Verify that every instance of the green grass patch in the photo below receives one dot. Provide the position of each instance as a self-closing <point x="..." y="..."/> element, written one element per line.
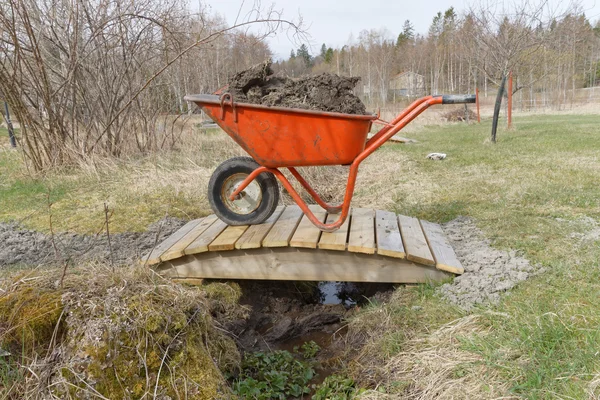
<point x="535" y="191"/>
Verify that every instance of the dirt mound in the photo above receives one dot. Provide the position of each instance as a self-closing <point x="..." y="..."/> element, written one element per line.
<point x="323" y="92"/>
<point x="458" y="115"/>
<point x="27" y="247"/>
<point x="488" y="271"/>
<point x="107" y="335"/>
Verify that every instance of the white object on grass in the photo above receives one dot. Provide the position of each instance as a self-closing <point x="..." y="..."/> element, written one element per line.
<point x="436" y="156"/>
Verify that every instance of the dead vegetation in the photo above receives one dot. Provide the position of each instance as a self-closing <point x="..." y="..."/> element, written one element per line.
<point x="460" y="115"/>
<point x="107" y="335"/>
<point x="96" y="78"/>
<point x="436" y="367"/>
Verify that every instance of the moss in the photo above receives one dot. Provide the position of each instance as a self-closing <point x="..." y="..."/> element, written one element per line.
<point x="228" y="293"/>
<point x="29" y="319"/>
<point x="128" y="359"/>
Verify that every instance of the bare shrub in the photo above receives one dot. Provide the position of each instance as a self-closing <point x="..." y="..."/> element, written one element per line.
<point x="97" y="77"/>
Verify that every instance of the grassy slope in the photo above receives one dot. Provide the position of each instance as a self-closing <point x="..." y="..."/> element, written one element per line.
<point x="532" y="192"/>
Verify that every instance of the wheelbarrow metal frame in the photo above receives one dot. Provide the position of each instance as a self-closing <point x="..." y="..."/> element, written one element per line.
<point x="387" y="132"/>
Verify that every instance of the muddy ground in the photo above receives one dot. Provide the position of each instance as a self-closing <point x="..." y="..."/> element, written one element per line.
<point x="26" y="247"/>
<point x="323" y="92"/>
<point x="285" y="314"/>
<point x="488" y="272"/>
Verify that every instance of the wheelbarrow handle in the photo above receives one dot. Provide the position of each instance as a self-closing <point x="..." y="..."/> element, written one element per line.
<point x="457" y="98"/>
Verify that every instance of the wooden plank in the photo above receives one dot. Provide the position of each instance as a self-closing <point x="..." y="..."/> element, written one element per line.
<point x="387" y="235"/>
<point x="253" y="237"/>
<point x="226" y="240"/>
<point x="362" y="231"/>
<point x="307" y="235"/>
<point x="292" y="263"/>
<point x="282" y="231"/>
<point x="200" y="244"/>
<point x="160" y="249"/>
<point x="335" y="240"/>
<point x="178" y="249"/>
<point x="414" y="241"/>
<point x="445" y="257"/>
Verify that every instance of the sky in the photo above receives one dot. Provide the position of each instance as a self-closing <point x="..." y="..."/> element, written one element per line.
<point x="333" y="21"/>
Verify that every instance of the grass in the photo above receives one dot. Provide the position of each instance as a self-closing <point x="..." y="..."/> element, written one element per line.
<point x="535" y="191"/>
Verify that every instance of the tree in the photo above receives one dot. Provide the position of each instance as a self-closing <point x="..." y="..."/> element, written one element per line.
<point x="304" y="55"/>
<point x="406" y="35"/>
<point x="323" y="51"/>
<point x="329" y="55"/>
<point x="292" y="55"/>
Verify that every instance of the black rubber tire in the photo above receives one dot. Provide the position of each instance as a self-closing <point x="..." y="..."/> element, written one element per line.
<point x="266" y="181"/>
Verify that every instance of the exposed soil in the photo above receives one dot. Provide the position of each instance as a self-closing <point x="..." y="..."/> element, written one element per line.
<point x="458" y="115"/>
<point x="323" y="92"/>
<point x="284" y="314"/>
<point x="27" y="247"/>
<point x="280" y="310"/>
<point x="488" y="272"/>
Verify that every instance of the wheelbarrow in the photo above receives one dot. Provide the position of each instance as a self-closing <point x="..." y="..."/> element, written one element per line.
<point x="244" y="190"/>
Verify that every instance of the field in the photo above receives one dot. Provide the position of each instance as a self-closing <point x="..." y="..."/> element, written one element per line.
<point x="536" y="191"/>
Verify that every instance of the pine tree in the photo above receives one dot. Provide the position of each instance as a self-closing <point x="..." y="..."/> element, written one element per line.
<point x="292" y="55"/>
<point x="304" y="55"/>
<point x="323" y="51"/>
<point x="406" y="35"/>
<point x="329" y="56"/>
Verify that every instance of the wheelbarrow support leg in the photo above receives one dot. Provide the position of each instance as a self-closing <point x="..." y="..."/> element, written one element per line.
<point x="344" y="208"/>
<point x="328" y="207"/>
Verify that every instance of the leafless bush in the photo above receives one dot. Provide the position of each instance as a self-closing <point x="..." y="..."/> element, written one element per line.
<point x="96" y="77"/>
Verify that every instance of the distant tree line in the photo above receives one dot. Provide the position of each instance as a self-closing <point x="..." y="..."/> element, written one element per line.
<point x="550" y="55"/>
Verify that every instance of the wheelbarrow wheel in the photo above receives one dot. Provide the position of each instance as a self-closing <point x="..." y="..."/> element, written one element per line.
<point x="254" y="204"/>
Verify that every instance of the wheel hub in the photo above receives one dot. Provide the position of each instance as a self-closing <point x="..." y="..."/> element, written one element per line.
<point x="247" y="200"/>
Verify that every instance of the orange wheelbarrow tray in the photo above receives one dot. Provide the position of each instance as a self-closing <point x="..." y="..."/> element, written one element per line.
<point x="241" y="190"/>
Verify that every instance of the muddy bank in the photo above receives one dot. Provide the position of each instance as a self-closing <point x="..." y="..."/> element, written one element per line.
<point x="287" y="314"/>
<point x="488" y="272"/>
<point x="323" y="92"/>
<point x="26" y="247"/>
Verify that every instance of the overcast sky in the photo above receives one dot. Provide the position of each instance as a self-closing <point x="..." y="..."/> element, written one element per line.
<point x="332" y="21"/>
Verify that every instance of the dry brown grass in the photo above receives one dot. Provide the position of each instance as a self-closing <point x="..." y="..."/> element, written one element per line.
<point x="436" y="367"/>
<point x="106" y="335"/>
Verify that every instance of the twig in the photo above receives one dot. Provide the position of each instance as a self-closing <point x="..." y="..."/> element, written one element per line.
<point x="106" y="223"/>
<point x="53" y="240"/>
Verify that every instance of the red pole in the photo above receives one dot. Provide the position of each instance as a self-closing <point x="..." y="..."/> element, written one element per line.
<point x="477" y="101"/>
<point x="510" y="93"/>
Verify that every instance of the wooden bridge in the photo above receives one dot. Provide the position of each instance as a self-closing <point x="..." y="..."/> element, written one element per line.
<point x="371" y="246"/>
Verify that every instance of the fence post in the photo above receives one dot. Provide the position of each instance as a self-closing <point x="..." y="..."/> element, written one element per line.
<point x="477" y="101"/>
<point x="11" y="132"/>
<point x="510" y="93"/>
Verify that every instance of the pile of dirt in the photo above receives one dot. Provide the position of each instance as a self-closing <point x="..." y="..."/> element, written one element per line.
<point x="323" y="92"/>
<point x="459" y="115"/>
<point x="27" y="247"/>
<point x="488" y="272"/>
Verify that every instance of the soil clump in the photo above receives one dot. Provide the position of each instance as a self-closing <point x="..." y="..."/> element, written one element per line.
<point x="27" y="247"/>
<point x="488" y="273"/>
<point x="322" y="92"/>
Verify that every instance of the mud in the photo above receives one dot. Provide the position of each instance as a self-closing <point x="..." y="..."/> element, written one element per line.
<point x="287" y="314"/>
<point x="323" y="92"/>
<point x="458" y="115"/>
<point x="488" y="272"/>
<point x="26" y="247"/>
